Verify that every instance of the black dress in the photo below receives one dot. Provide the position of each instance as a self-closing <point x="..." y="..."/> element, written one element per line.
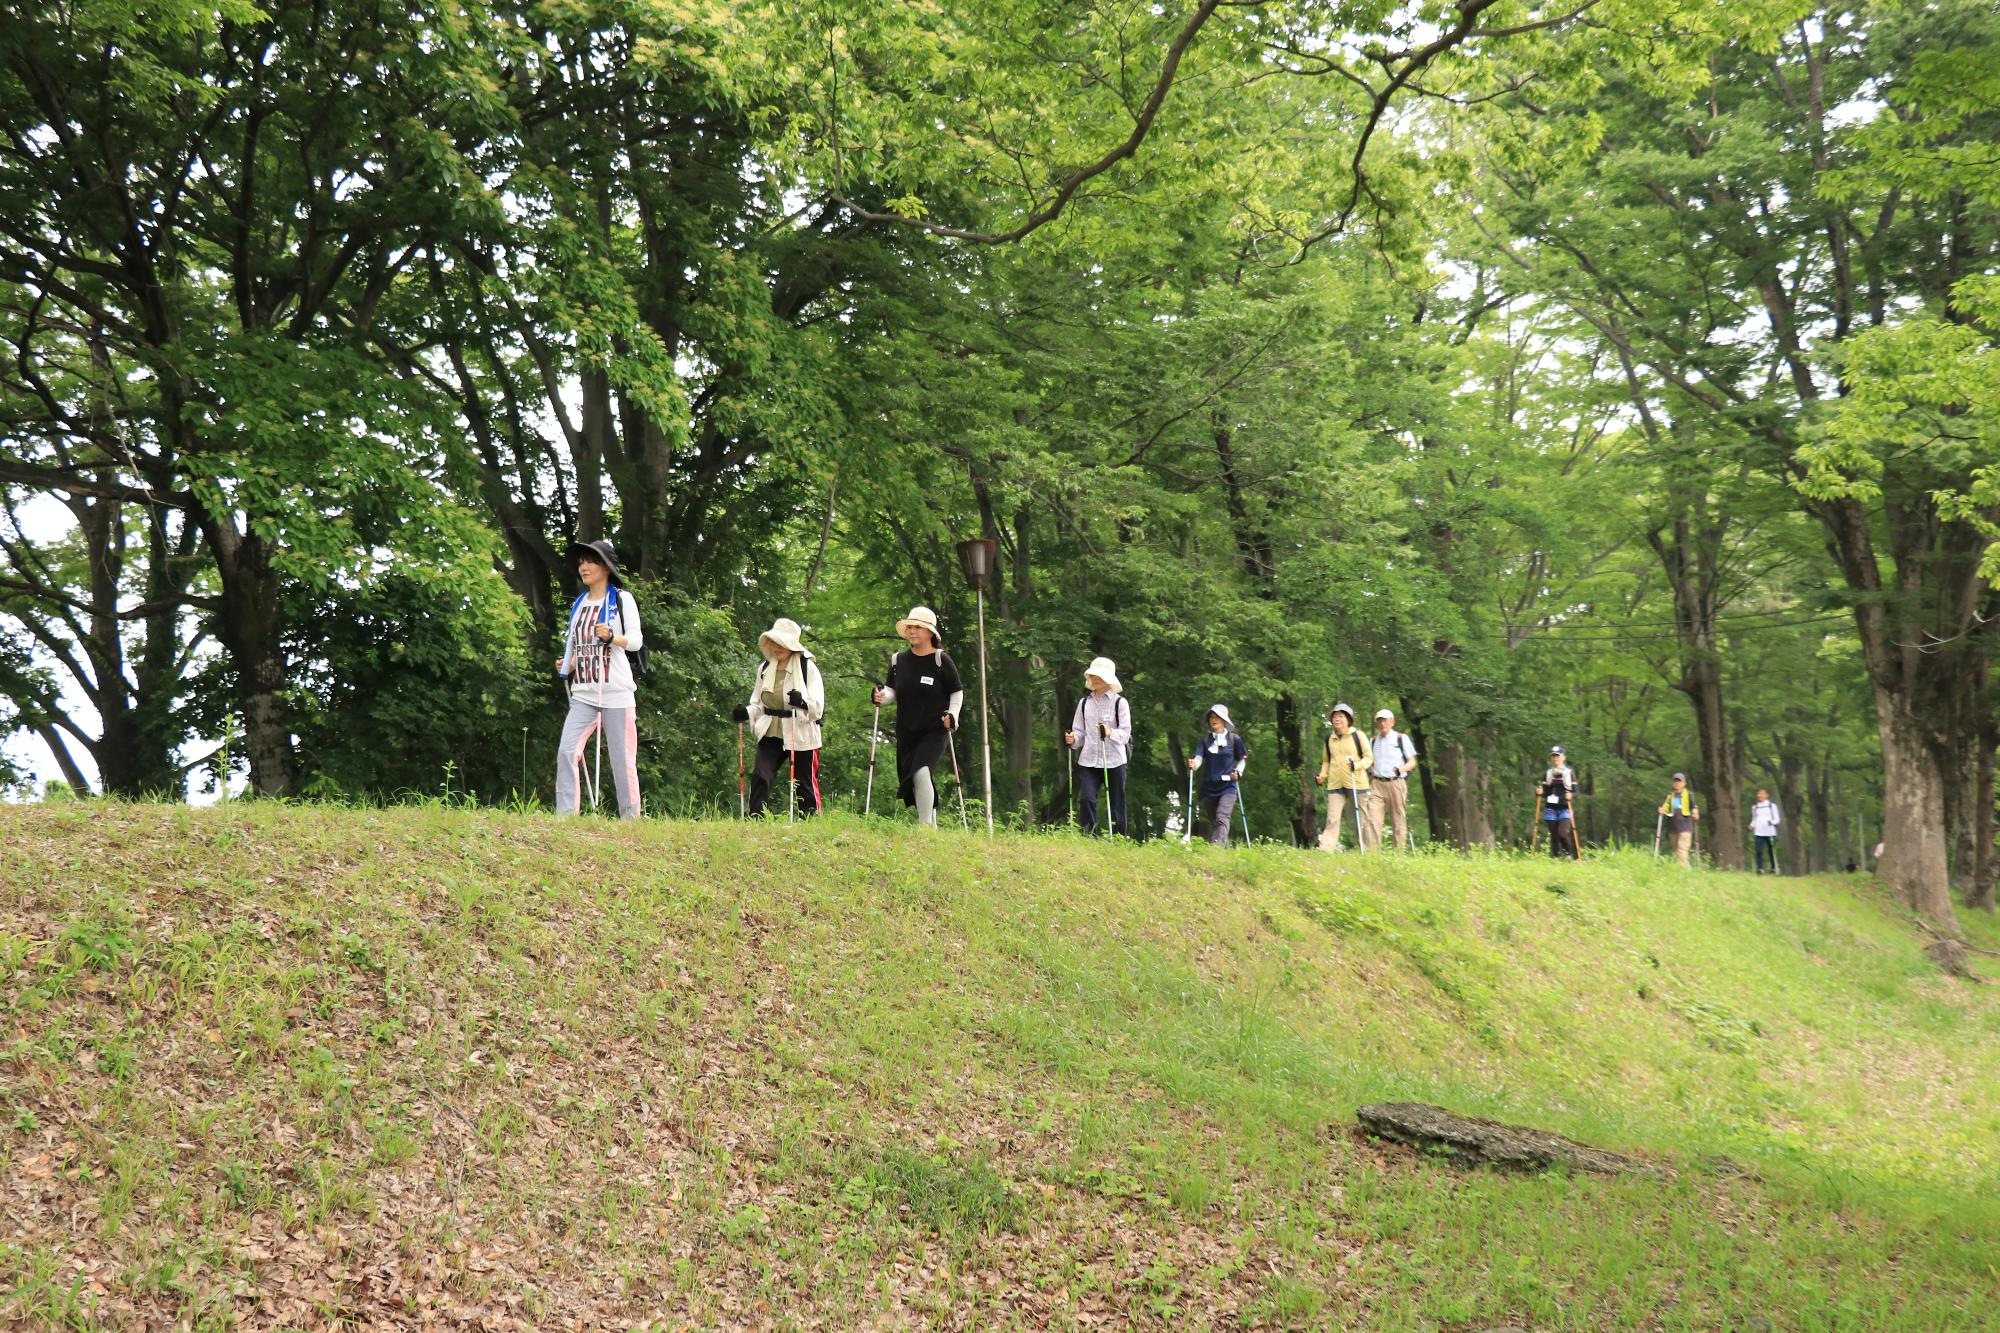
<point x="923" y="686"/>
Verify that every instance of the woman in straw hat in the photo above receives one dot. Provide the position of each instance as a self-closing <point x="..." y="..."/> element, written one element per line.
<point x="924" y="685"/>
<point x="1101" y="734"/>
<point x="786" y="704"/>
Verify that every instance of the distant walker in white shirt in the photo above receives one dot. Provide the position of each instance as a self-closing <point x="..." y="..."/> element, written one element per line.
<point x="1765" y="816"/>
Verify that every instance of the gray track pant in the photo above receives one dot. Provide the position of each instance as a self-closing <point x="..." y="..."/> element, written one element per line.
<point x="1220" y="810"/>
<point x="621" y="749"/>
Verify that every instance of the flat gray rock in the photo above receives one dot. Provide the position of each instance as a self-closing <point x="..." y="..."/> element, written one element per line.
<point x="1488" y="1142"/>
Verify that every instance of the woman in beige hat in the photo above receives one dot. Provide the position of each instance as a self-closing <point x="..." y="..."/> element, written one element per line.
<point x="924" y="685"/>
<point x="786" y="704"/>
<point x="1101" y="734"/>
<point x="1344" y="773"/>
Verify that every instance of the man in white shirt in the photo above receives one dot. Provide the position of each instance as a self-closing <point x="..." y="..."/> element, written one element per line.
<point x="1389" y="771"/>
<point x="1764" y="820"/>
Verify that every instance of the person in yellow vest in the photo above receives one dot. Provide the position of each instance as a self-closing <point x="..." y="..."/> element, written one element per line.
<point x="1344" y="774"/>
<point x="1681" y="813"/>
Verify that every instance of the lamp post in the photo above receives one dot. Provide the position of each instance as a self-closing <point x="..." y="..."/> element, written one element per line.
<point x="977" y="558"/>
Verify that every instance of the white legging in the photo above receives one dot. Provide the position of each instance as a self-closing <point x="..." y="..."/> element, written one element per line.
<point x="621" y="738"/>
<point x="925" y="791"/>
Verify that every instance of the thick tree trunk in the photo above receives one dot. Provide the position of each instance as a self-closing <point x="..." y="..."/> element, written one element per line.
<point x="1914" y="858"/>
<point x="249" y="628"/>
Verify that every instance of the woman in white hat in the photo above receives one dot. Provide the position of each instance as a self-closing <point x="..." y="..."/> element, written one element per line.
<point x="1101" y="734"/>
<point x="1219" y="760"/>
<point x="923" y="684"/>
<point x="786" y="704"/>
<point x="1344" y="773"/>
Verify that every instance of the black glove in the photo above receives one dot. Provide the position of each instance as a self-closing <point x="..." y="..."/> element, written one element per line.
<point x="741" y="712"/>
<point x="947" y="720"/>
<point x="795" y="699"/>
<point x="1104" y="731"/>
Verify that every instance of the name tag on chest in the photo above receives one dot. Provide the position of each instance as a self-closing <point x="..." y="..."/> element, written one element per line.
<point x="926" y="680"/>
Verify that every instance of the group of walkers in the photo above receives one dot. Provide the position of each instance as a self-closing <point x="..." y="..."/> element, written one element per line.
<point x="1366" y="777"/>
<point x="1678" y="822"/>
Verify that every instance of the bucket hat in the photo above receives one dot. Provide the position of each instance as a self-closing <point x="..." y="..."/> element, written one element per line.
<point x="1105" y="670"/>
<point x="599" y="550"/>
<point x="922" y="615"/>
<point x="784" y="633"/>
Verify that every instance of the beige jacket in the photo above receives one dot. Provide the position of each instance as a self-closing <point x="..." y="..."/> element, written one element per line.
<point x="1333" y="770"/>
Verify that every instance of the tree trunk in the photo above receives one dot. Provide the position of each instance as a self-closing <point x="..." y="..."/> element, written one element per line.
<point x="1914" y="858"/>
<point x="248" y="627"/>
<point x="1011" y="601"/>
<point x="1980" y="893"/>
<point x="1691" y="557"/>
<point x="1439" y="819"/>
<point x="1819" y="799"/>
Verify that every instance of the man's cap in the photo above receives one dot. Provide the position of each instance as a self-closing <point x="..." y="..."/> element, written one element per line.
<point x="1555" y="749"/>
<point x="1680" y="777"/>
<point x="1381" y="713"/>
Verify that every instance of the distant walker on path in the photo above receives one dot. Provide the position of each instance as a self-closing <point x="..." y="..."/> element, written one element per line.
<point x="1681" y="813"/>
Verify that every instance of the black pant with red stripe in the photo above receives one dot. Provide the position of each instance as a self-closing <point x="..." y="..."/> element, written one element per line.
<point x="772" y="756"/>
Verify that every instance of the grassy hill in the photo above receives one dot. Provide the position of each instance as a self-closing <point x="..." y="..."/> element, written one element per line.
<point x="303" y="1067"/>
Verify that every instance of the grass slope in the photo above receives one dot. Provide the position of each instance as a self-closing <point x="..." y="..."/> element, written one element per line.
<point x="304" y="1067"/>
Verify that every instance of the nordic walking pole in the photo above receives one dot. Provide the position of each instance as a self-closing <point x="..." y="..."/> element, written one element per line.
<point x="792" y="785"/>
<point x="1187" y="834"/>
<point x="951" y="739"/>
<point x="1535" y="825"/>
<point x="1244" y="811"/>
<point x="1659" y="822"/>
<point x="1575" y="830"/>
<point x="603" y="679"/>
<point x="740" y="813"/>
<point x="874" y="731"/>
<point x="1354" y="799"/>
<point x="874" y="735"/>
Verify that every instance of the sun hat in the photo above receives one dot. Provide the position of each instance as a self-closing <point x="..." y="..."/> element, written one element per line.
<point x="1222" y="711"/>
<point x="1381" y="713"/>
<point x="1105" y="670"/>
<point x="599" y="550"/>
<point x="784" y="633"/>
<point x="1340" y="708"/>
<point x="922" y="615"/>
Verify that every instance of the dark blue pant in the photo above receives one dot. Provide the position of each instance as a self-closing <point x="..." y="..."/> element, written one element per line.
<point x="1086" y="810"/>
<point x="1767" y="845"/>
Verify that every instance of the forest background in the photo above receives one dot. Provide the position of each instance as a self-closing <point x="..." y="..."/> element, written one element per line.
<point x="1608" y="374"/>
